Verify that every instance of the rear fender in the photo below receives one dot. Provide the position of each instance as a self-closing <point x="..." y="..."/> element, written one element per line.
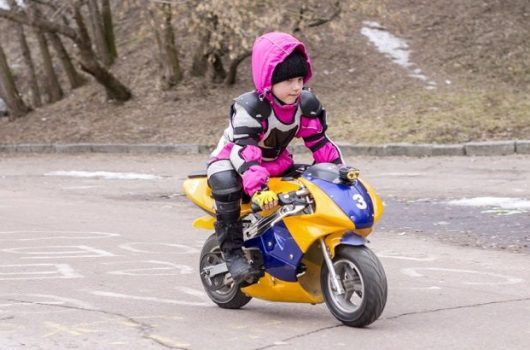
<point x="344" y="238"/>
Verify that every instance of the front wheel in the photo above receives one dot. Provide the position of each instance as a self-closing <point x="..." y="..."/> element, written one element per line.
<point x="225" y="295"/>
<point x="364" y="282"/>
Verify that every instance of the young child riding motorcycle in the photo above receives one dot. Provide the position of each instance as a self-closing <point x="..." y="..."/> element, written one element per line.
<point x="254" y="146"/>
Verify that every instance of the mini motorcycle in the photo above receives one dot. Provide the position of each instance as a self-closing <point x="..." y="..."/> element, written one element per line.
<point x="311" y="249"/>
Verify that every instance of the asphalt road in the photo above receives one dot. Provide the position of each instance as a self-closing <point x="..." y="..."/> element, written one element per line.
<point x="106" y="263"/>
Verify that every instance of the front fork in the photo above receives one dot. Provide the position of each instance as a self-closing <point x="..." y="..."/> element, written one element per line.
<point x="335" y="279"/>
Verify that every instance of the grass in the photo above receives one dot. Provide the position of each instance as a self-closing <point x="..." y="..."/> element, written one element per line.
<point x="437" y="116"/>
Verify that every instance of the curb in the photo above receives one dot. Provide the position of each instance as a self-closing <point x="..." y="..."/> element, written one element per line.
<point x="492" y="148"/>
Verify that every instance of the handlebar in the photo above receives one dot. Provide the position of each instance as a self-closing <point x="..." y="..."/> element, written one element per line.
<point x="286" y="198"/>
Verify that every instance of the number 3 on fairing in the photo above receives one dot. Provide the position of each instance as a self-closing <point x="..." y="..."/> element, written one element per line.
<point x="360" y="202"/>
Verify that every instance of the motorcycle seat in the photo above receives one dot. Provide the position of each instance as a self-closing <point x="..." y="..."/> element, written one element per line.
<point x="198" y="173"/>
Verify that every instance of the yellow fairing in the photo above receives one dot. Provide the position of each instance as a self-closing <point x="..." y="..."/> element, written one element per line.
<point x="328" y="218"/>
<point x="198" y="191"/>
<point x="204" y="222"/>
<point x="306" y="290"/>
<point x="270" y="288"/>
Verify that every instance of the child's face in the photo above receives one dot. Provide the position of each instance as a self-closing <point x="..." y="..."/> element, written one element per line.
<point x="288" y="90"/>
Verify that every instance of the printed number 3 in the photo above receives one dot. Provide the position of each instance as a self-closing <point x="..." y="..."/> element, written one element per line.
<point x="361" y="203"/>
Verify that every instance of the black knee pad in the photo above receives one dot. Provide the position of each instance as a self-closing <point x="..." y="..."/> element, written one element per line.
<point x="226" y="186"/>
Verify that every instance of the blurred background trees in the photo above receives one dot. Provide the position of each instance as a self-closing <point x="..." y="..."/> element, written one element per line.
<point x="68" y="41"/>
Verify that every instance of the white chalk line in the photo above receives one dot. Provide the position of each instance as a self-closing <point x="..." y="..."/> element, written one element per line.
<point x="413" y="272"/>
<point x="142" y="298"/>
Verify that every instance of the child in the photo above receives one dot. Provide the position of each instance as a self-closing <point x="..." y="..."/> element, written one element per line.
<point x="254" y="146"/>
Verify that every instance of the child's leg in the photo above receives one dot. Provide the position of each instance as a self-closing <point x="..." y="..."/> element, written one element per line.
<point x="227" y="191"/>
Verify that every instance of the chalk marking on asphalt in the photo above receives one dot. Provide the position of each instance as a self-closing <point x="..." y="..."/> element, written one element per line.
<point x="413" y="272"/>
<point x="57" y="328"/>
<point x="154" y="299"/>
<point x="168" y="341"/>
<point x="131" y="247"/>
<point x="194" y="292"/>
<point x="62" y="235"/>
<point x="63" y="300"/>
<point x="10" y="327"/>
<point x="82" y="251"/>
<point x="389" y="255"/>
<point x="60" y="271"/>
<point x="419" y="288"/>
<point x="107" y="175"/>
<point x="184" y="269"/>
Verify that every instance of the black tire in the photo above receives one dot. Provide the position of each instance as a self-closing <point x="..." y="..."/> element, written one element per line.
<point x="363" y="278"/>
<point x="227" y="297"/>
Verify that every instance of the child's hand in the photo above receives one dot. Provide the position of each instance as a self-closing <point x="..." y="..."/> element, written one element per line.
<point x="266" y="199"/>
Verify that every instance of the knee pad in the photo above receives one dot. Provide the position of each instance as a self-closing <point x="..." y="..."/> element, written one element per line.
<point x="226" y="186"/>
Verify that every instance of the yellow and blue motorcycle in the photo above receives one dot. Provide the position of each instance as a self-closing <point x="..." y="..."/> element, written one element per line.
<point x="312" y="249"/>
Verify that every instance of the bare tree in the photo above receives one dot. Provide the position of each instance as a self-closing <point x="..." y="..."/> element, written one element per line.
<point x="53" y="87"/>
<point x="26" y="54"/>
<point x="161" y="21"/>
<point x="79" y="35"/>
<point x="76" y="80"/>
<point x="98" y="31"/>
<point x="227" y="29"/>
<point x="8" y="90"/>
<point x="108" y="29"/>
<point x="315" y="14"/>
<point x="199" y="65"/>
<point x="89" y="63"/>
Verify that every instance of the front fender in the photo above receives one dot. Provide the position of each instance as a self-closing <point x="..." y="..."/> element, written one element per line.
<point x="346" y="238"/>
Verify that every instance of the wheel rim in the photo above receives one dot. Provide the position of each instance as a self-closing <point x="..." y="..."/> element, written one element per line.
<point x="215" y="285"/>
<point x="352" y="283"/>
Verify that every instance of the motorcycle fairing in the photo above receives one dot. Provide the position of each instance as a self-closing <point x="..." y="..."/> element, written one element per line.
<point x="281" y="254"/>
<point x="353" y="199"/>
<point x="343" y="238"/>
<point x="327" y="218"/>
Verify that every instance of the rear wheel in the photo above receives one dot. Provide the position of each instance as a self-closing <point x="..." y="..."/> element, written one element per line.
<point x="364" y="282"/>
<point x="225" y="295"/>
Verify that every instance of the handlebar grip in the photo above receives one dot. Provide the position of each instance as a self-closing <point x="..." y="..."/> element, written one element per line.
<point x="255" y="208"/>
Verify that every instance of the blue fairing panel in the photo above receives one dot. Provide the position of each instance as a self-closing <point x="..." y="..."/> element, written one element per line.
<point x="281" y="254"/>
<point x="353" y="199"/>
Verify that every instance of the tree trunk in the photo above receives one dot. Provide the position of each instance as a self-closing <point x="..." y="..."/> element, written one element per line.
<point x="87" y="58"/>
<point x="161" y="22"/>
<point x="199" y="66"/>
<point x="108" y="29"/>
<point x="114" y="88"/>
<point x="8" y="90"/>
<point x="53" y="87"/>
<point x="26" y="53"/>
<point x="76" y="80"/>
<point x="172" y="73"/>
<point x="232" y="70"/>
<point x="219" y="72"/>
<point x="98" y="33"/>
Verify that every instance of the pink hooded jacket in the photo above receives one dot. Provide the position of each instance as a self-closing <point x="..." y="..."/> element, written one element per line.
<point x="250" y="154"/>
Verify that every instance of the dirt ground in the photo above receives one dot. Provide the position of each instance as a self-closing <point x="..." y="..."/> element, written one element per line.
<point x="476" y="52"/>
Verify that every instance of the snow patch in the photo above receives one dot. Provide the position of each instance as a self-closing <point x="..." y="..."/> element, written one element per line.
<point x="104" y="174"/>
<point x="5" y="6"/>
<point x="395" y="48"/>
<point x="501" y="205"/>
